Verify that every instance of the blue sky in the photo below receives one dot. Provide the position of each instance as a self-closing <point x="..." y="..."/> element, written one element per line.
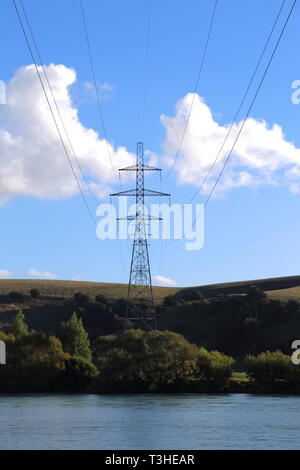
<point x="251" y="231"/>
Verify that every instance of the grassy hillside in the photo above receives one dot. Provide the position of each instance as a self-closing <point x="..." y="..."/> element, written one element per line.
<point x="55" y="304"/>
<point x="226" y="320"/>
<point x="282" y="288"/>
<point x="66" y="289"/>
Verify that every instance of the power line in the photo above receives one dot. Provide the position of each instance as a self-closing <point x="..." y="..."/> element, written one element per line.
<point x="54" y="100"/>
<point x="100" y="113"/>
<point x="241" y="104"/>
<point x="195" y="91"/>
<point x="163" y="250"/>
<point x="146" y="69"/>
<point x="95" y="85"/>
<point x="52" y="113"/>
<point x="54" y="119"/>
<point x="248" y="112"/>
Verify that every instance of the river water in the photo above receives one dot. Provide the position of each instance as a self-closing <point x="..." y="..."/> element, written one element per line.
<point x="233" y="421"/>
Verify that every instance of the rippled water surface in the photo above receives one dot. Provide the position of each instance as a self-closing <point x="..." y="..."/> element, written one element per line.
<point x="236" y="421"/>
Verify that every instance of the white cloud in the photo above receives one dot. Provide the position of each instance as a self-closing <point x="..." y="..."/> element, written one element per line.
<point x="262" y="155"/>
<point x="107" y="86"/>
<point x="32" y="272"/>
<point x="4" y="274"/>
<point x="32" y="159"/>
<point x="164" y="280"/>
<point x="105" y="91"/>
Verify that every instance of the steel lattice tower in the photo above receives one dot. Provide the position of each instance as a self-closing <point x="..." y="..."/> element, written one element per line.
<point x="140" y="284"/>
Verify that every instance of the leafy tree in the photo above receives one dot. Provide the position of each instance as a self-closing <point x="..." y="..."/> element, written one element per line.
<point x="140" y="361"/>
<point x="19" y="326"/>
<point x="254" y="294"/>
<point x="101" y="298"/>
<point x="214" y="370"/>
<point x="196" y="295"/>
<point x="80" y="298"/>
<point x="16" y="296"/>
<point x="35" y="363"/>
<point x="192" y="295"/>
<point x="169" y="301"/>
<point x="170" y="361"/>
<point x="78" y="374"/>
<point x="74" y="338"/>
<point x="120" y="306"/>
<point x="270" y="368"/>
<point x="6" y="337"/>
<point x="35" y="293"/>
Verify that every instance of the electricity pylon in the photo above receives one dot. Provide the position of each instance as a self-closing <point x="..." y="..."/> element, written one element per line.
<point x="140" y="283"/>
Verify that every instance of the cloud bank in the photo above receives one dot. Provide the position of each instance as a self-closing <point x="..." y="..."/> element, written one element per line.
<point x="32" y="272"/>
<point x="164" y="280"/>
<point x="4" y="274"/>
<point x="33" y="162"/>
<point x="262" y="155"/>
<point x="32" y="159"/>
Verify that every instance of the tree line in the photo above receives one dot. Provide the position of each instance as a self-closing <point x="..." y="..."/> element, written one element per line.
<point x="133" y="361"/>
<point x="130" y="362"/>
<point x="200" y="345"/>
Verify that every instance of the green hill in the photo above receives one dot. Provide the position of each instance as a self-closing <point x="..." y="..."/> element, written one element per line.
<point x="65" y="289"/>
<point x="283" y="288"/>
<point x="225" y="319"/>
<point x="55" y="302"/>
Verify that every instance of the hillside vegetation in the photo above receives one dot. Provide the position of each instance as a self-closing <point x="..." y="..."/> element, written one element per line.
<point x="281" y="288"/>
<point x="66" y="289"/>
<point x="231" y="317"/>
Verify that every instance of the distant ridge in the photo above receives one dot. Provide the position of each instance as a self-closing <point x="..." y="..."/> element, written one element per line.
<point x="288" y="286"/>
<point x="66" y="289"/>
<point x="240" y="287"/>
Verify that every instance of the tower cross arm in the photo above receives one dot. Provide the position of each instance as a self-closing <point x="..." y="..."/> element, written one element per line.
<point x="129" y="192"/>
<point x="133" y="217"/>
<point x="134" y="192"/>
<point x="140" y="167"/>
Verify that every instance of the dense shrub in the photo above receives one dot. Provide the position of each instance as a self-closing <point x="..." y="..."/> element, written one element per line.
<point x="101" y="298"/>
<point x="255" y="294"/>
<point x="157" y="361"/>
<point x="139" y="361"/>
<point x="273" y="370"/>
<point x="169" y="301"/>
<point x="6" y="337"/>
<point x="78" y="374"/>
<point x="37" y="363"/>
<point x="34" y="364"/>
<point x="19" y="327"/>
<point x="35" y="293"/>
<point x="16" y="296"/>
<point x="214" y="370"/>
<point x="81" y="299"/>
<point x="191" y="296"/>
